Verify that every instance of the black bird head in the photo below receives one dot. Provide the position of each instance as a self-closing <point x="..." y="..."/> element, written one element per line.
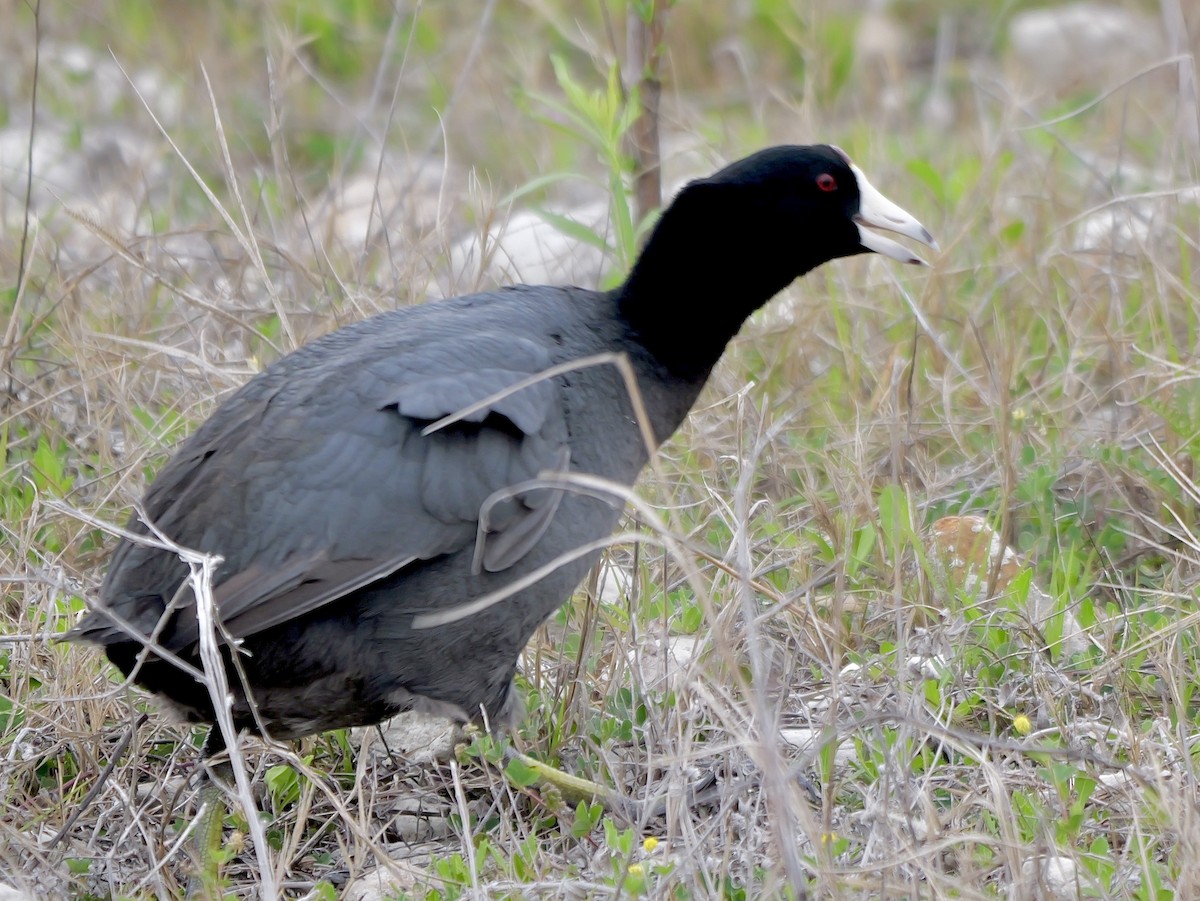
<point x="728" y="243"/>
<point x="804" y="206"/>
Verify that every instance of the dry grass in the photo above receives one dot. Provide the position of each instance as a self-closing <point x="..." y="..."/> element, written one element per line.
<point x="874" y="734"/>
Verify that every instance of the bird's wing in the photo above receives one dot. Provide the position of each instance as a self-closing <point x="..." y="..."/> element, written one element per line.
<point x="315" y="482"/>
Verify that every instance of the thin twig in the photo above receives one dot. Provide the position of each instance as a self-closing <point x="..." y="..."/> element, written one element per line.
<point x="9" y="349"/>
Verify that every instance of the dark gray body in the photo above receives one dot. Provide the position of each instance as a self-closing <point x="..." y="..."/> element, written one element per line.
<point x="311" y="463"/>
<point x="341" y="521"/>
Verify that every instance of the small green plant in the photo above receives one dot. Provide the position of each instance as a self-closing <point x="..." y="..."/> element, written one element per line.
<point x="587" y="818"/>
<point x="598" y="119"/>
<point x="284" y="784"/>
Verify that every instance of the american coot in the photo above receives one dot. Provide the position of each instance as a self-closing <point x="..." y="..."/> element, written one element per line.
<point x="355" y="537"/>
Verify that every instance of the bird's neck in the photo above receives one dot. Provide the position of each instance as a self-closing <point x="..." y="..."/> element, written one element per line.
<point x="690" y="292"/>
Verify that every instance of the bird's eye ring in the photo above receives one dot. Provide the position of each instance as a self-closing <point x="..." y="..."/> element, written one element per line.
<point x="826" y="182"/>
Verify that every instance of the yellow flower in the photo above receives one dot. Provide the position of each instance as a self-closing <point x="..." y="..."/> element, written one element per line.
<point x="636" y="871"/>
<point x="650" y="844"/>
<point x="1021" y="724"/>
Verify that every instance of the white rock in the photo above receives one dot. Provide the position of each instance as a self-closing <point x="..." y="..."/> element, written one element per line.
<point x="1115" y="229"/>
<point x="419" y="738"/>
<point x="1058" y="876"/>
<point x="808" y="741"/>
<point x="850" y="671"/>
<point x="881" y="49"/>
<point x="1122" y="781"/>
<point x="95" y="79"/>
<point x="105" y="179"/>
<point x="928" y="667"/>
<point x="522" y="247"/>
<point x="1077" y="46"/>
<point x="614" y="583"/>
<point x="525" y="248"/>
<point x="386" y="882"/>
<point x="164" y="790"/>
<point x="413" y="820"/>
<point x="1116" y="781"/>
<point x="400" y="197"/>
<point x="663" y="659"/>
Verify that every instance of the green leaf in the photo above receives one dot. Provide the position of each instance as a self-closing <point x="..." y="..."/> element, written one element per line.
<point x="520" y="774"/>
<point x="283" y="783"/>
<point x="864" y="544"/>
<point x="929" y="176"/>
<point x="691" y="619"/>
<point x="48" y="469"/>
<point x="1011" y="233"/>
<point x="587" y="816"/>
<point x="537" y="184"/>
<point x="894" y="518"/>
<point x="573" y="229"/>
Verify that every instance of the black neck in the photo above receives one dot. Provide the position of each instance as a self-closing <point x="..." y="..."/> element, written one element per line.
<point x="695" y="284"/>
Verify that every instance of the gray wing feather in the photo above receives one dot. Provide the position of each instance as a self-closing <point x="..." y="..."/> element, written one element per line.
<point x="313" y="484"/>
<point x="504" y="538"/>
<point x="437" y="397"/>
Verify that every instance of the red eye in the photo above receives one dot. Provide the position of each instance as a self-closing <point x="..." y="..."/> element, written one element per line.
<point x="826" y="182"/>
